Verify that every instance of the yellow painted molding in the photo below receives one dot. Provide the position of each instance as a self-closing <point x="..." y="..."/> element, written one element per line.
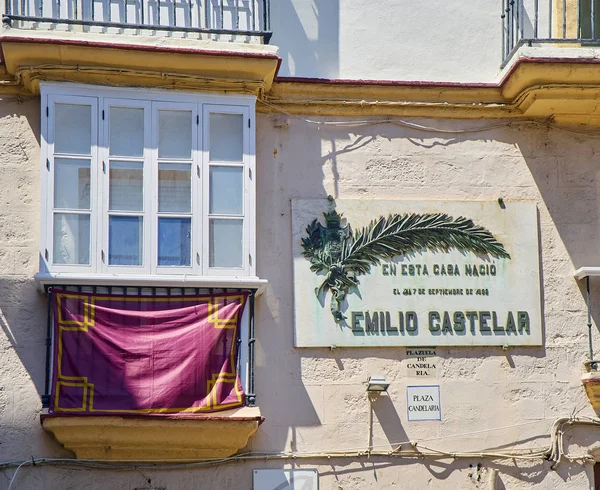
<point x="32" y="59"/>
<point x="565" y="89"/>
<point x="216" y="435"/>
<point x="368" y="98"/>
<point x="527" y="73"/>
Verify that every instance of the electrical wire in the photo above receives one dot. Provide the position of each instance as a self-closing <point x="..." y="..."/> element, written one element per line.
<point x="14" y="477"/>
<point x="554" y="453"/>
<point x="412" y="125"/>
<point x="400" y="122"/>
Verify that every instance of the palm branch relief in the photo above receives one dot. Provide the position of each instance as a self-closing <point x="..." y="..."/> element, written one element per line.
<point x="343" y="254"/>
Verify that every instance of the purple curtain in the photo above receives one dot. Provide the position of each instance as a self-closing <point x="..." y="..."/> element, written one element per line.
<point x="145" y="355"/>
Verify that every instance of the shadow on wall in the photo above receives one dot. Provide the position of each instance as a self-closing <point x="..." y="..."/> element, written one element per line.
<point x="567" y="174"/>
<point x="23" y="371"/>
<point x="307" y="34"/>
<point x="315" y="397"/>
<point x="22" y="306"/>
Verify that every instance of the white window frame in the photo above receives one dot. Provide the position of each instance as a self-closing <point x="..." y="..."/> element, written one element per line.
<point x="105" y="266"/>
<point x="196" y="209"/>
<point x="246" y="173"/>
<point x="48" y="168"/>
<point x="101" y="99"/>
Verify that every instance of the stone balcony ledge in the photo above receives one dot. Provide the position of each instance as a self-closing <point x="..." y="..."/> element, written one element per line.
<point x="184" y="64"/>
<point x="157" y="438"/>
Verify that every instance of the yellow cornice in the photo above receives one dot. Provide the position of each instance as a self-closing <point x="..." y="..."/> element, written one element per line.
<point x="565" y="89"/>
<point x="367" y="98"/>
<point x="30" y="60"/>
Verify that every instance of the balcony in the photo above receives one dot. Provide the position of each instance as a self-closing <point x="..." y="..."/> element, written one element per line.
<point x="208" y="45"/>
<point x="550" y="24"/>
<point x="222" y="20"/>
<point x="551" y="59"/>
<point x="222" y="415"/>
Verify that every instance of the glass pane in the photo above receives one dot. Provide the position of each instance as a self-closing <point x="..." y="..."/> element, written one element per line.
<point x="125" y="240"/>
<point x="73" y="129"/>
<point x="226" y="243"/>
<point x="126" y="132"/>
<point x="71" y="184"/>
<point x="226" y="137"/>
<point x="71" y="239"/>
<point x="174" y="241"/>
<point x="226" y="190"/>
<point x="126" y="191"/>
<point x="586" y="19"/>
<point x="175" y="134"/>
<point x="174" y="188"/>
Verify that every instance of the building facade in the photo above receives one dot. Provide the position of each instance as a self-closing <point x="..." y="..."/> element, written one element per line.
<point x="429" y="173"/>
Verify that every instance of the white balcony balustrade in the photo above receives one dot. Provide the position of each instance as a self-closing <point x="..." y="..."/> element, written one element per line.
<point x="240" y="20"/>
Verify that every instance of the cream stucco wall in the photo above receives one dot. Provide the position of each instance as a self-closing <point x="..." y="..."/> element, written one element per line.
<point x="314" y="399"/>
<point x="482" y="388"/>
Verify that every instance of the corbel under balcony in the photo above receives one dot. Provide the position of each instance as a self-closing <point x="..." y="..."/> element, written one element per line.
<point x="153" y="62"/>
<point x="215" y="435"/>
<point x="553" y="82"/>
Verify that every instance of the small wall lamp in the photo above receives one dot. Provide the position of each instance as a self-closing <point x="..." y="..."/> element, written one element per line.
<point x="377" y="384"/>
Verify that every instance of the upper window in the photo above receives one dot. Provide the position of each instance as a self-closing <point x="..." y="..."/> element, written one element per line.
<point x="143" y="182"/>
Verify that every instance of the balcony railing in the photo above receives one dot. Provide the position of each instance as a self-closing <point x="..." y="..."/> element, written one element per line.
<point x="245" y="340"/>
<point x="556" y="22"/>
<point x="234" y="19"/>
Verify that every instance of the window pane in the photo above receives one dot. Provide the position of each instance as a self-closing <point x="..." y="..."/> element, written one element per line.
<point x="71" y="184"/>
<point x="71" y="239"/>
<point x="125" y="240"/>
<point x="175" y="134"/>
<point x="226" y="190"/>
<point x="586" y="19"/>
<point x="73" y="129"/>
<point x="226" y="243"/>
<point x="174" y="188"/>
<point x="226" y="137"/>
<point x="174" y="241"/>
<point x="126" y="132"/>
<point x="126" y="191"/>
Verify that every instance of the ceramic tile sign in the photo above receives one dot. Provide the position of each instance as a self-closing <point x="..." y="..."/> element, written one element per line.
<point x="421" y="362"/>
<point x="423" y="403"/>
<point x="370" y="273"/>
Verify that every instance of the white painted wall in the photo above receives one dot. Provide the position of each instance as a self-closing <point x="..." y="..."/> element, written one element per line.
<point x="389" y="39"/>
